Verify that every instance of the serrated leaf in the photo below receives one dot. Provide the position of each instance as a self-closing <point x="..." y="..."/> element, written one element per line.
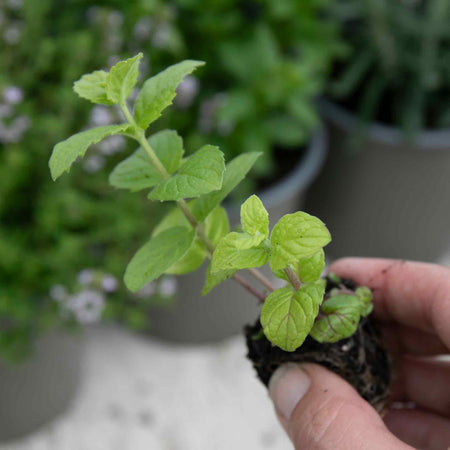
<point x="287" y="316"/>
<point x="214" y="279"/>
<point x="158" y="92"/>
<point x="340" y="318"/>
<point x="191" y="261"/>
<point x="200" y="174"/>
<point x="311" y="267"/>
<point x="122" y="78"/>
<point x="296" y="236"/>
<point x="156" y="256"/>
<point x="137" y="171"/>
<point x="66" y="152"/>
<point x="92" y="87"/>
<point x="364" y="296"/>
<point x="239" y="251"/>
<point x="254" y="217"/>
<point x="235" y="172"/>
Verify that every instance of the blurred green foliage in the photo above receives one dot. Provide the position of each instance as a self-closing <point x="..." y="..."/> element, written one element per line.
<point x="266" y="63"/>
<point x="397" y="68"/>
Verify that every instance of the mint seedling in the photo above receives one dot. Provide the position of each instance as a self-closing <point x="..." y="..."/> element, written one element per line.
<point x="197" y="228"/>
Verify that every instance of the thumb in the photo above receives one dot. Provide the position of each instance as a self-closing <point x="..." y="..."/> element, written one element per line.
<point x="319" y="410"/>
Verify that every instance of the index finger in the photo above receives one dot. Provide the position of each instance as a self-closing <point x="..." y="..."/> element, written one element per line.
<point x="411" y="293"/>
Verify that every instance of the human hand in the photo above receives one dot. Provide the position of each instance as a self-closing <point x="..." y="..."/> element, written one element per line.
<point x="319" y="410"/>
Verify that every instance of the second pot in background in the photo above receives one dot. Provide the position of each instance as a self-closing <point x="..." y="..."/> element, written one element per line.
<point x="386" y="198"/>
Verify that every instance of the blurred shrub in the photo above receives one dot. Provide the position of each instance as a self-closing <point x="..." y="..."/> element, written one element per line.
<point x="266" y="62"/>
<point x="397" y="68"/>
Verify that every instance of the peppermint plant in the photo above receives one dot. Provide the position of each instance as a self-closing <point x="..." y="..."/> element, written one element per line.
<point x="198" y="228"/>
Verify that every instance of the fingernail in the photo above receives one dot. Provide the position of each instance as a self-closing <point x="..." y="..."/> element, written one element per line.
<point x="287" y="387"/>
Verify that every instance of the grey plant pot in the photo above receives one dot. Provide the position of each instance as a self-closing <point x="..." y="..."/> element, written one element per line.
<point x="36" y="391"/>
<point x="228" y="307"/>
<point x="389" y="199"/>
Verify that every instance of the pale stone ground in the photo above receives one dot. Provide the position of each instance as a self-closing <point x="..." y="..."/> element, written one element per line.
<point x="142" y="394"/>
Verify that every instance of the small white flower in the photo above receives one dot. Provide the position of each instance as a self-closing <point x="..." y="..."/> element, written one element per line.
<point x="186" y="92"/>
<point x="12" y="95"/>
<point x="112" y="145"/>
<point x="87" y="306"/>
<point x="93" y="163"/>
<point x="161" y="36"/>
<point x="109" y="283"/>
<point x="15" y="131"/>
<point x="115" y="19"/>
<point x="168" y="287"/>
<point x="14" y="4"/>
<point x="142" y="28"/>
<point x="147" y="291"/>
<point x="100" y="116"/>
<point x="12" y="34"/>
<point x="58" y="292"/>
<point x="86" y="276"/>
<point x="5" y="111"/>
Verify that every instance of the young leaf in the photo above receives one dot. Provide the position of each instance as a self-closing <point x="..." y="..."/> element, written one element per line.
<point x="239" y="251"/>
<point x="137" y="171"/>
<point x="66" y="152"/>
<point x="364" y="296"/>
<point x="340" y="319"/>
<point x="213" y="279"/>
<point x="122" y="78"/>
<point x="254" y="217"/>
<point x="159" y="91"/>
<point x="217" y="225"/>
<point x="287" y="316"/>
<point x="200" y="174"/>
<point x="191" y="261"/>
<point x="92" y="87"/>
<point x="296" y="236"/>
<point x="311" y="267"/>
<point x="235" y="172"/>
<point x="156" y="256"/>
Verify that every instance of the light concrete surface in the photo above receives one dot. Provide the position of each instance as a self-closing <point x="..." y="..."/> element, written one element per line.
<point x="142" y="394"/>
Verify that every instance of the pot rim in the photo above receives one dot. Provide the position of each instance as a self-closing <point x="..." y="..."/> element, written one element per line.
<point x="427" y="140"/>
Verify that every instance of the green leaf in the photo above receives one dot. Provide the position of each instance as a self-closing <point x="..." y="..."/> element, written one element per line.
<point x="239" y="251"/>
<point x="254" y="217"/>
<point x="364" y="296"/>
<point x="235" y="172"/>
<point x="311" y="267"/>
<point x="296" y="236"/>
<point x="287" y="316"/>
<point x="92" y="87"/>
<point x="66" y="152"/>
<point x="213" y="279"/>
<point x="137" y="171"/>
<point x="159" y="91"/>
<point x="340" y="319"/>
<point x="217" y="225"/>
<point x="200" y="174"/>
<point x="191" y="261"/>
<point x="156" y="256"/>
<point x="122" y="78"/>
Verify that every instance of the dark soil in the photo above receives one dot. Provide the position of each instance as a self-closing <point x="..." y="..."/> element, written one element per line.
<point x="360" y="359"/>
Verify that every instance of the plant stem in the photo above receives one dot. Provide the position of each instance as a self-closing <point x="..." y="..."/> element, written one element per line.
<point x="243" y="282"/>
<point x="139" y="135"/>
<point x="262" y="279"/>
<point x="293" y="279"/>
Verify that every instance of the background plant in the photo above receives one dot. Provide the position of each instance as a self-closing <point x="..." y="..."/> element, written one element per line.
<point x="397" y="68"/>
<point x="198" y="227"/>
<point x="52" y="236"/>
